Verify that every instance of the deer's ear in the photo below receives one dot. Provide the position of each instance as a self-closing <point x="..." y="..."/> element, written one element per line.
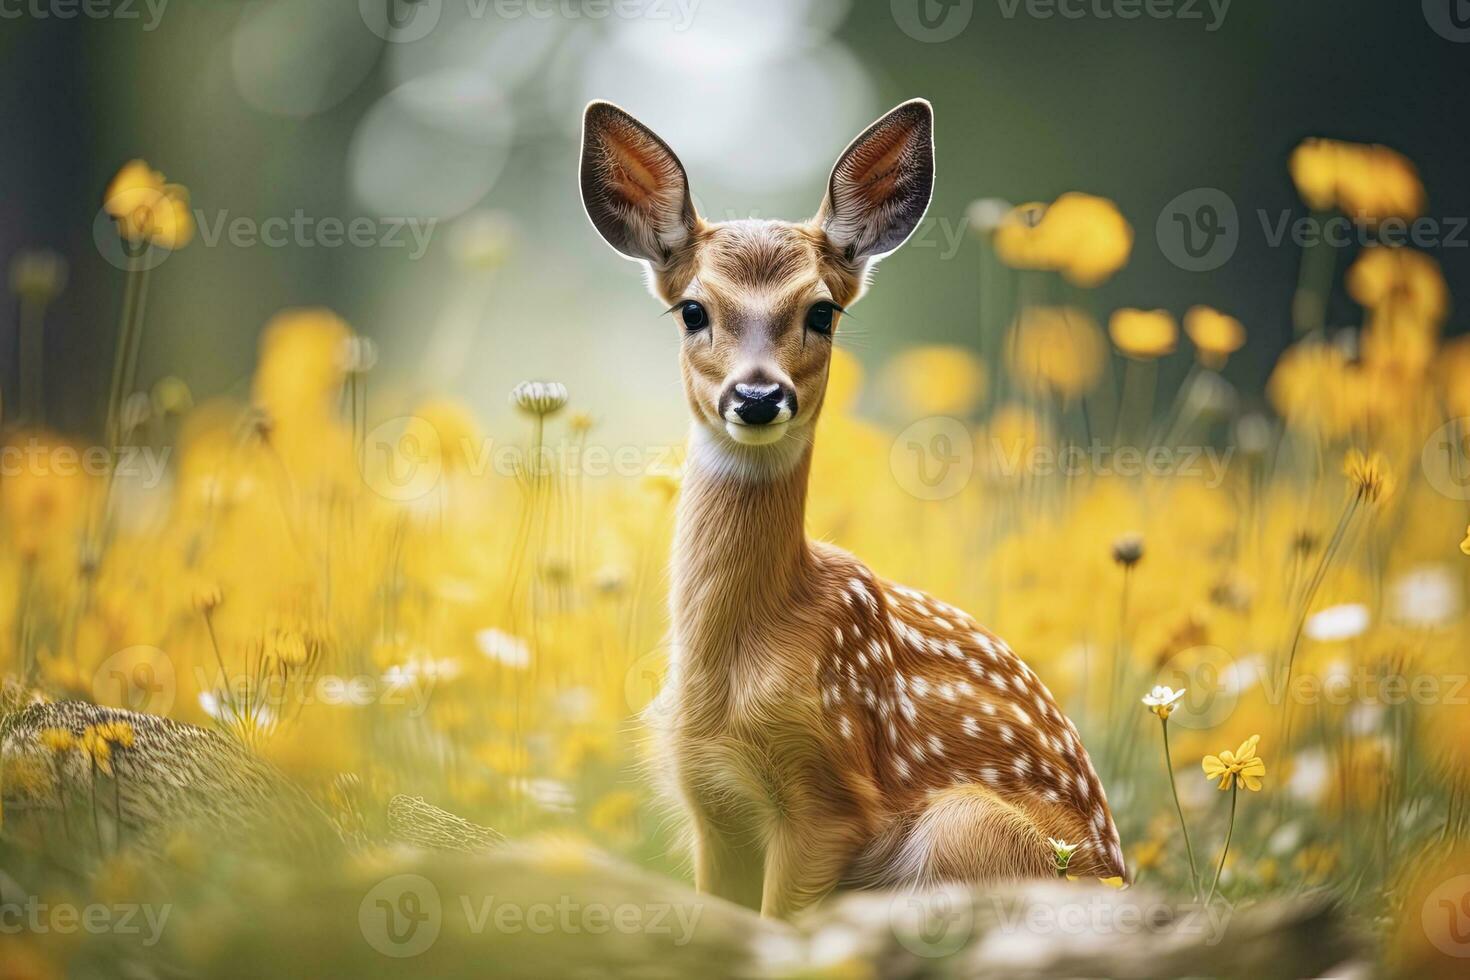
<point x="633" y="187"/>
<point x="881" y="185"/>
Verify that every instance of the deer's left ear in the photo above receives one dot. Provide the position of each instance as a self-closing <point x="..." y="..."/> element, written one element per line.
<point x="881" y="185"/>
<point x="633" y="186"/>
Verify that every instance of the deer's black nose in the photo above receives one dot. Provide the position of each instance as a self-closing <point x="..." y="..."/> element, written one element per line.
<point x="762" y="403"/>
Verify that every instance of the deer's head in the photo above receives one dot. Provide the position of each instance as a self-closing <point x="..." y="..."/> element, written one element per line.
<point x="756" y="301"/>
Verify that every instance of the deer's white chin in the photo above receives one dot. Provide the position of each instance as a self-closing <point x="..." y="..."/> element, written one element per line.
<point x="756" y="435"/>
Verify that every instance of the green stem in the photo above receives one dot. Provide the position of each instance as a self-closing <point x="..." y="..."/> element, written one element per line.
<point x="1229" y="831"/>
<point x="120" y="356"/>
<point x="32" y="372"/>
<point x="1173" y="788"/>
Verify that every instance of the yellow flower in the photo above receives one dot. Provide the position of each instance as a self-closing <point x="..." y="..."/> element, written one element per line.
<point x="1243" y="764"/>
<point x="1309" y="387"/>
<point x="300" y="371"/>
<point x="1376" y="182"/>
<point x="1143" y="334"/>
<point x="118" y="733"/>
<point x="936" y="380"/>
<point x="289" y="647"/>
<point x="1149" y="854"/>
<point x="456" y="437"/>
<point x="98" y="749"/>
<point x="1406" y="280"/>
<point x="1368" y="475"/>
<point x="1368" y="183"/>
<point x="1095" y="238"/>
<point x="57" y="740"/>
<point x="1083" y="237"/>
<point x="1056" y="349"/>
<point x="148" y="210"/>
<point x="1465" y="545"/>
<point x="1215" y="335"/>
<point x="207" y="597"/>
<point x="1007" y="447"/>
<point x="1314" y="171"/>
<point x="1020" y="241"/>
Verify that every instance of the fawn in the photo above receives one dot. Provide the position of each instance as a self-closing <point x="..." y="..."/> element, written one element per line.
<point x="827" y="728"/>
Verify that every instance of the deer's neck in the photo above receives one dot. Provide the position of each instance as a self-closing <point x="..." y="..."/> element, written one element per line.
<point x="740" y="548"/>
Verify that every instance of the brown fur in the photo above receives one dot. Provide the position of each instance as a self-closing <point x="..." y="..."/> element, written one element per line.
<point x="822" y="726"/>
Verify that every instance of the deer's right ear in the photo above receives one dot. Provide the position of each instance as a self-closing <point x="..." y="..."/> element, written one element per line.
<point x="633" y="187"/>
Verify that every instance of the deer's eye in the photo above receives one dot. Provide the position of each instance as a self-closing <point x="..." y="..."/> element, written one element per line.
<point x="821" y="316"/>
<point x="695" y="318"/>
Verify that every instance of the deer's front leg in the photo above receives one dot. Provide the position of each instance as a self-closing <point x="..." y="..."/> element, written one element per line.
<point x="805" y="861"/>
<point x="727" y="863"/>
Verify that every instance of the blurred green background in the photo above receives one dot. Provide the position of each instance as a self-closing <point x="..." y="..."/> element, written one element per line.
<point x="272" y="108"/>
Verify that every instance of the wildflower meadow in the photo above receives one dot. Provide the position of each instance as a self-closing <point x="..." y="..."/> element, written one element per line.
<point x="333" y="672"/>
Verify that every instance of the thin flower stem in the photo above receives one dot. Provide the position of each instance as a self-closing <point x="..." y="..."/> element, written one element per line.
<point x="32" y="361"/>
<point x="96" y="820"/>
<point x="119" y="360"/>
<point x="219" y="659"/>
<point x="1315" y="583"/>
<point x="1229" y="831"/>
<point x="1173" y="788"/>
